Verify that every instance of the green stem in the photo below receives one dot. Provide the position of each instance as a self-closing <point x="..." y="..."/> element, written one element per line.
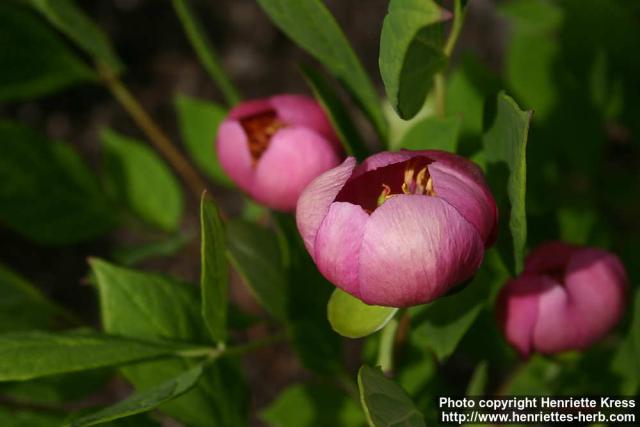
<point x="459" y="14"/>
<point x="221" y="351"/>
<point x="439" y="92"/>
<point x="386" y="347"/>
<point x="155" y="135"/>
<point x="205" y="52"/>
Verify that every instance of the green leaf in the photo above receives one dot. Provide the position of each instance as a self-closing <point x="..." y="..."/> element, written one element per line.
<point x="198" y="121"/>
<point x="433" y="133"/>
<point x="138" y="304"/>
<point x="384" y="402"/>
<point x="75" y="24"/>
<point x="352" y="318"/>
<point x="505" y="150"/>
<point x="27" y="355"/>
<point x="23" y="306"/>
<point x="29" y="418"/>
<point x="148" y="305"/>
<point x="411" y="52"/>
<point x="337" y="112"/>
<point x="309" y="24"/>
<point x="136" y="174"/>
<point x="46" y="192"/>
<point x="214" y="275"/>
<point x="442" y="324"/>
<point x="163" y="247"/>
<point x="256" y="255"/>
<point x="34" y="61"/>
<point x="302" y="405"/>
<point x="143" y="401"/>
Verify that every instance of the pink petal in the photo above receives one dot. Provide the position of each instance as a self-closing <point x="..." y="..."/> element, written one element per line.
<point x="382" y="159"/>
<point x="415" y="248"/>
<point x="250" y="108"/>
<point x="295" y="156"/>
<point x="466" y="196"/>
<point x="550" y="257"/>
<point x="233" y="153"/>
<point x="306" y="112"/>
<point x="337" y="245"/>
<point x="587" y="307"/>
<point x="313" y="204"/>
<point x="518" y="310"/>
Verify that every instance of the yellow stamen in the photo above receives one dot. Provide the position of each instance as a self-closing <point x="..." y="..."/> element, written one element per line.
<point x="420" y="183"/>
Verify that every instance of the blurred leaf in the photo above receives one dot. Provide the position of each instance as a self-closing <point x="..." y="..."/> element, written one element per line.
<point x="143" y="401"/>
<point x="23" y="306"/>
<point x="27" y="355"/>
<point x="312" y="27"/>
<point x="478" y="382"/>
<point x="433" y="133"/>
<point x="165" y="247"/>
<point x="142" y="179"/>
<point x="255" y="254"/>
<point x="467" y="88"/>
<point x="352" y="318"/>
<point x="533" y="378"/>
<point x="204" y="50"/>
<point x="626" y="361"/>
<point x="505" y="146"/>
<point x="29" y="418"/>
<point x="214" y="273"/>
<point x="411" y="52"/>
<point x="75" y="24"/>
<point x="319" y="348"/>
<point x="302" y="405"/>
<point x="198" y="121"/>
<point x="384" y="402"/>
<point x="533" y="52"/>
<point x="440" y="325"/>
<point x="139" y="304"/>
<point x="46" y="192"/>
<point x="34" y="61"/>
<point x="252" y="211"/>
<point x="56" y="389"/>
<point x="576" y="224"/>
<point x="337" y="112"/>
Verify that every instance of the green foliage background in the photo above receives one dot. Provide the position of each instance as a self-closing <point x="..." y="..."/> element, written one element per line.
<point x="553" y="122"/>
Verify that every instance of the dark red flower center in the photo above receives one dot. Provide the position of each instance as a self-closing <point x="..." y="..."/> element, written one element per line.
<point x="259" y="128"/>
<point x="373" y="188"/>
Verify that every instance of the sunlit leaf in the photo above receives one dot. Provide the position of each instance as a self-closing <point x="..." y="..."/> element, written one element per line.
<point x="411" y="52"/>
<point x="352" y="318"/>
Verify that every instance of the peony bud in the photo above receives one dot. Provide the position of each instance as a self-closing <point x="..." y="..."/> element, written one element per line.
<point x="401" y="228"/>
<point x="567" y="298"/>
<point x="272" y="148"/>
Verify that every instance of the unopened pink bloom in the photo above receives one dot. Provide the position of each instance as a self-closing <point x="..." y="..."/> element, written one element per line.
<point x="567" y="298"/>
<point x="401" y="228"/>
<point x="272" y="148"/>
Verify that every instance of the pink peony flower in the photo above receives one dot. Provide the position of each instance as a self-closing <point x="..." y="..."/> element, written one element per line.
<point x="401" y="228"/>
<point x="272" y="148"/>
<point x="567" y="298"/>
